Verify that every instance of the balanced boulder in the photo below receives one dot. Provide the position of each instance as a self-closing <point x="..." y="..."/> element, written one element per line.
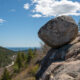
<point x="59" y="31"/>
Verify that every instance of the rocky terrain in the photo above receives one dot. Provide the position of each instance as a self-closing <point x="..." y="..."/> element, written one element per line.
<point x="62" y="61"/>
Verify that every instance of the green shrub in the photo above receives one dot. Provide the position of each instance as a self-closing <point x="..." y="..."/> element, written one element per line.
<point x="34" y="70"/>
<point x="6" y="75"/>
<point x="16" y="69"/>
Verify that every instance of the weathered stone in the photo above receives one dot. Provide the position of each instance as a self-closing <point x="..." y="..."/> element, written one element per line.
<point x="59" y="31"/>
<point x="67" y="71"/>
<point x="59" y="62"/>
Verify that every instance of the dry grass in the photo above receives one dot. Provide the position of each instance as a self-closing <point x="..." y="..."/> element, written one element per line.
<point x="31" y="78"/>
<point x="21" y="75"/>
<point x="26" y="74"/>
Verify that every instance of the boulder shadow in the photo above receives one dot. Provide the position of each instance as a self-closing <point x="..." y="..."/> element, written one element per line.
<point x="53" y="55"/>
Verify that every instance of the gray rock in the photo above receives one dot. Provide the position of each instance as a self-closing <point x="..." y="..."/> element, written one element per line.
<point x="62" y="63"/>
<point x="65" y="71"/>
<point x="59" y="31"/>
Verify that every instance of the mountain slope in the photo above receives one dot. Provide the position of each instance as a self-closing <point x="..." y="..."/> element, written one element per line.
<point x="5" y="56"/>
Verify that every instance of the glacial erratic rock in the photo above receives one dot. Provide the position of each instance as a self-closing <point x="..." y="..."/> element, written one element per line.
<point x="59" y="31"/>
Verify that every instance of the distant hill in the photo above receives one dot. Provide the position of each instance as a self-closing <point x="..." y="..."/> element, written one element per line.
<point x="24" y="49"/>
<point x="5" y="56"/>
<point x="5" y="50"/>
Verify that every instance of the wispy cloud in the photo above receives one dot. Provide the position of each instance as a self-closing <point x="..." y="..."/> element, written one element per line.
<point x="2" y="20"/>
<point x="13" y="10"/>
<point x="49" y="8"/>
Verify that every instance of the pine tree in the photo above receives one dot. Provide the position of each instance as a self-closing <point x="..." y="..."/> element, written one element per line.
<point x="19" y="61"/>
<point x="29" y="55"/>
<point x="6" y="75"/>
<point x="23" y="56"/>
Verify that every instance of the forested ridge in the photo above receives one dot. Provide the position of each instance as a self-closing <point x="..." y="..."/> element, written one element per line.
<point x="5" y="56"/>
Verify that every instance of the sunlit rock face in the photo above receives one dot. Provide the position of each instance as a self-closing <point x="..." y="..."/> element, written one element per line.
<point x="62" y="63"/>
<point x="59" y="31"/>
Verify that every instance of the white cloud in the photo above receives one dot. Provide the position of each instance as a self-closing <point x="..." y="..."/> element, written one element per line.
<point x="26" y="6"/>
<point x="55" y="8"/>
<point x="2" y="20"/>
<point x="37" y="15"/>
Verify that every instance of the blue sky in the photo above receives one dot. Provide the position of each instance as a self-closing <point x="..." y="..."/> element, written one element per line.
<point x="20" y="20"/>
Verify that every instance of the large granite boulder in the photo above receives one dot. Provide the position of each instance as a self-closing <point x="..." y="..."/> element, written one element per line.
<point x="59" y="31"/>
<point x="62" y="63"/>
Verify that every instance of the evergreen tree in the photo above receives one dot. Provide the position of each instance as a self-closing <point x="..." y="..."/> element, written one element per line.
<point x="19" y="61"/>
<point x="29" y="55"/>
<point x="6" y="75"/>
<point x="23" y="55"/>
